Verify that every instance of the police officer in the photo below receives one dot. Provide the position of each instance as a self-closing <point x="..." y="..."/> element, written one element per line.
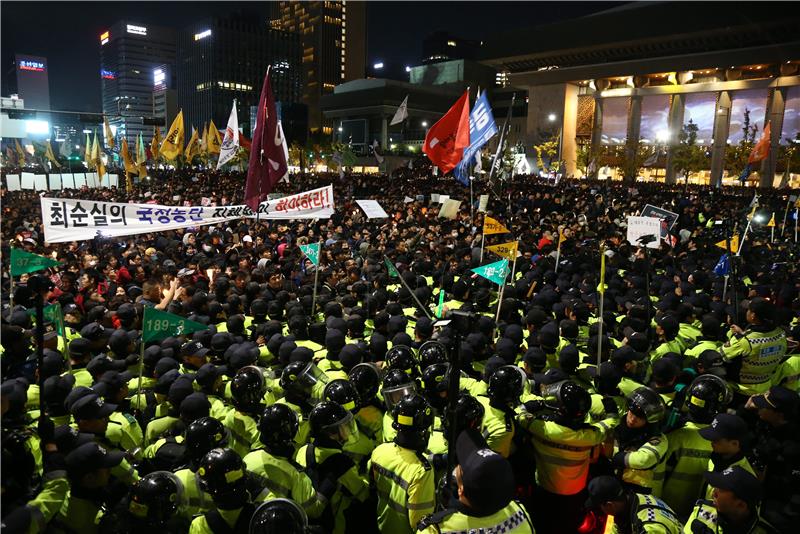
<point x="152" y="504"/>
<point x="734" y="508"/>
<point x="563" y="444"/>
<point x="503" y="396"/>
<point x="728" y="435"/>
<point x="369" y="417"/>
<point x="633" y="513"/>
<point x="688" y="451"/>
<point x="296" y="395"/>
<point x="641" y="447"/>
<point x="202" y="436"/>
<point x="400" y="474"/>
<point x="485" y="494"/>
<point x="279" y="516"/>
<point x="334" y="474"/>
<point x="753" y="355"/>
<point x="275" y="463"/>
<point x="222" y="475"/>
<point x="248" y="388"/>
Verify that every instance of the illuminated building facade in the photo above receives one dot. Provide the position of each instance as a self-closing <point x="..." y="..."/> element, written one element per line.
<point x="129" y="52"/>
<point x="333" y="40"/>
<point x="225" y="58"/>
<point x="619" y="90"/>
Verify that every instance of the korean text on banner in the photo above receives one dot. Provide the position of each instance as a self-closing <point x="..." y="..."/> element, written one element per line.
<point x="78" y="219"/>
<point x="644" y="226"/>
<point x="372" y="209"/>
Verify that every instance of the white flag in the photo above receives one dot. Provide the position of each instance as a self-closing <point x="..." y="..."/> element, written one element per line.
<point x="401" y="114"/>
<point x="285" y="177"/>
<point x="230" y="143"/>
<point x="378" y="156"/>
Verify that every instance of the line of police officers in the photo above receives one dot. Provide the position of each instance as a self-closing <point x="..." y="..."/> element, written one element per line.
<point x="263" y="425"/>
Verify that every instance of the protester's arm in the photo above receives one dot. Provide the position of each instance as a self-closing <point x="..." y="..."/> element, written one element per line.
<point x="170" y="294"/>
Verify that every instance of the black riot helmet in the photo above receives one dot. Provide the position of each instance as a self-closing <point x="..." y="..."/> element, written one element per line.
<point x="248" y="388"/>
<point x="568" y="399"/>
<point x="366" y="377"/>
<point x="330" y="421"/>
<point x="304" y="379"/>
<point x="204" y="434"/>
<point x="396" y="385"/>
<point x="279" y="516"/>
<point x="289" y="377"/>
<point x="647" y="404"/>
<point x="222" y="475"/>
<point x="278" y="426"/>
<point x="155" y="498"/>
<point x="431" y="352"/>
<point x="401" y="357"/>
<point x="707" y="396"/>
<point x="434" y="378"/>
<point x="506" y="385"/>
<point x="469" y="415"/>
<point x="344" y="392"/>
<point x="412" y="417"/>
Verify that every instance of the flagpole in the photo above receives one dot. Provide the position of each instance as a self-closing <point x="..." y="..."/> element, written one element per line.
<point x="316" y="279"/>
<point x="600" y="308"/>
<point x="64" y="336"/>
<point x="399" y="277"/>
<point x="772" y="229"/>
<point x="795" y="223"/>
<point x="785" y="215"/>
<point x="141" y="370"/>
<point x="483" y="237"/>
<point x="499" y="303"/>
<point x="471" y="205"/>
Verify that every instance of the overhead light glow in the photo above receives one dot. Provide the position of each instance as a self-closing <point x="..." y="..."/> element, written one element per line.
<point x="408" y="69"/>
<point x="202" y="35"/>
<point x="552" y="117"/>
<point x="378" y="65"/>
<point x="37" y="127"/>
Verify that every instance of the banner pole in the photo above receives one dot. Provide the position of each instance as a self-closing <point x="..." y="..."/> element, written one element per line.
<point x="795" y="223"/>
<point x="471" y="206"/>
<point x="772" y="229"/>
<point x="316" y="279"/>
<point x="399" y="277"/>
<point x="600" y="310"/>
<point x="141" y="370"/>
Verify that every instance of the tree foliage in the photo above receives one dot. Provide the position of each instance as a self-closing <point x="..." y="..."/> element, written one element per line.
<point x="687" y="156"/>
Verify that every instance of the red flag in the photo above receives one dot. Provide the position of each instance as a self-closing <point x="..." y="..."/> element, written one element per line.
<point x="761" y="149"/>
<point x="267" y="160"/>
<point x="447" y="139"/>
<point x="245" y="142"/>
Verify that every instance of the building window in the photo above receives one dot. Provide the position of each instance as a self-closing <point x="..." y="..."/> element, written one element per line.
<point x="700" y="109"/>
<point x="615" y="120"/>
<point x="754" y="100"/>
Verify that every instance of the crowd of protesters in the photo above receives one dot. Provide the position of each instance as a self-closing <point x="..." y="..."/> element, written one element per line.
<point x="326" y="407"/>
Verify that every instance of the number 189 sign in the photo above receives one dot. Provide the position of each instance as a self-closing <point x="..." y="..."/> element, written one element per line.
<point x="157" y="325"/>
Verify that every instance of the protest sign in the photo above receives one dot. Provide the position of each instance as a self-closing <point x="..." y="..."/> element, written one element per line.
<point x="483" y="202"/>
<point x="668" y="218"/>
<point x="27" y="180"/>
<point x="644" y="226"/>
<point x="12" y="182"/>
<point x="78" y="219"/>
<point x="449" y="209"/>
<point x="372" y="209"/>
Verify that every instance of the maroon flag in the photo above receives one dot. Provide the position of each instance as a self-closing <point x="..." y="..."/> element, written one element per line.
<point x="267" y="160"/>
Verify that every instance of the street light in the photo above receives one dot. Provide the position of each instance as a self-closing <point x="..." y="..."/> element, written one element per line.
<point x="662" y="136"/>
<point x="552" y="117"/>
<point x="424" y="124"/>
<point x="340" y="129"/>
<point x="408" y="69"/>
<point x="378" y="65"/>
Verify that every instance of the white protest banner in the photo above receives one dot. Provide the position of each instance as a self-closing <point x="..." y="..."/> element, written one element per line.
<point x="483" y="203"/>
<point x="27" y="180"/>
<point x="113" y="180"/>
<point x="449" y="209"/>
<point x="372" y="209"/>
<point x="55" y="181"/>
<point x="12" y="182"/>
<point x="78" y="219"/>
<point x="434" y="198"/>
<point x="80" y="180"/>
<point x="443" y="199"/>
<point x="40" y="182"/>
<point x="68" y="181"/>
<point x="406" y="200"/>
<point x="644" y="226"/>
<point x="91" y="179"/>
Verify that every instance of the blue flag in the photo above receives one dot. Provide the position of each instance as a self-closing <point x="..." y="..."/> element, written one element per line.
<point x="723" y="267"/>
<point x="745" y="173"/>
<point x="494" y="272"/>
<point x="481" y="128"/>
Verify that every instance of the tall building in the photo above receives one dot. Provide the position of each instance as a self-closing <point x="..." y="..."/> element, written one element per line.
<point x="28" y="79"/>
<point x="225" y="58"/>
<point x="129" y="53"/>
<point x="333" y="37"/>
<point x="165" y="95"/>
<point x="443" y="46"/>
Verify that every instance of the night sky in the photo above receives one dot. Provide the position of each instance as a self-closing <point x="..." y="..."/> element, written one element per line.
<point x="67" y="33"/>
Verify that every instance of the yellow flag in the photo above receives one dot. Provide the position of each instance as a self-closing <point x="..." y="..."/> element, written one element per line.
<point x="505" y="250"/>
<point x="173" y="142"/>
<point x="87" y="154"/>
<point x="561" y="237"/>
<point x="109" y="136"/>
<point x="214" y="140"/>
<point x="155" y="143"/>
<point x="734" y="244"/>
<point x="771" y="222"/>
<point x="126" y="157"/>
<point x="204" y="140"/>
<point x="97" y="160"/>
<point x="191" y="148"/>
<point x="20" y="153"/>
<point x="48" y="153"/>
<point x="492" y="226"/>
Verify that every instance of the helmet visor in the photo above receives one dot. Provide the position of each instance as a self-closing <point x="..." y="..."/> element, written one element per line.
<point x="345" y="430"/>
<point x="391" y="396"/>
